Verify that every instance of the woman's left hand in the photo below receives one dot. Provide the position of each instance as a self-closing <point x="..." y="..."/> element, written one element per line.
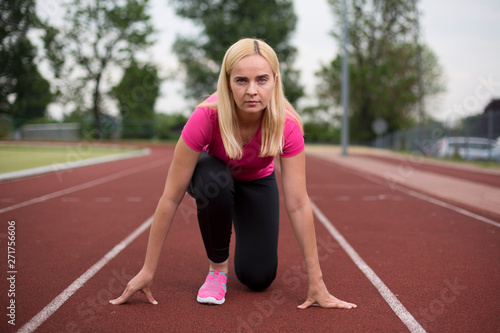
<point x="319" y="296"/>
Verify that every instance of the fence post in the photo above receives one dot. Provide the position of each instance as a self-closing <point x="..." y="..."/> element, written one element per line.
<point x="490" y="134"/>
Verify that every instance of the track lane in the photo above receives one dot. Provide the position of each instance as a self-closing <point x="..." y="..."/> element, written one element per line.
<point x="23" y="189"/>
<point x="181" y="272"/>
<point x="397" y="255"/>
<point x="58" y="239"/>
<point x="88" y="307"/>
<point x="488" y="177"/>
<point x="440" y="263"/>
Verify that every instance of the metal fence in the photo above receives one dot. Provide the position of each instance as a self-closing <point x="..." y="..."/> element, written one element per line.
<point x="166" y="127"/>
<point x="421" y="139"/>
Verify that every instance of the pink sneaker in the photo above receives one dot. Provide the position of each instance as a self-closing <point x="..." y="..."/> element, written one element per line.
<point x="214" y="289"/>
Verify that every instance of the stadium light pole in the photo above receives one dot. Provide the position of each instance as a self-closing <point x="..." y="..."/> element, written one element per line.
<point x="416" y="27"/>
<point x="345" y="80"/>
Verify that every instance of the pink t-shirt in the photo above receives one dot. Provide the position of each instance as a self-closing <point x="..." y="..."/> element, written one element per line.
<point x="202" y="133"/>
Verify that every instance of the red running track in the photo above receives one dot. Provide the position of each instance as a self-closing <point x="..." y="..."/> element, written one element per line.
<point x="440" y="268"/>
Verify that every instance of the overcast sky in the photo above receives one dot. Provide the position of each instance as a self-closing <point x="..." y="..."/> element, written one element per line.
<point x="464" y="34"/>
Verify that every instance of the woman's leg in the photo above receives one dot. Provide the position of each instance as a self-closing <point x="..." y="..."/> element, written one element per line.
<point x="213" y="189"/>
<point x="256" y="223"/>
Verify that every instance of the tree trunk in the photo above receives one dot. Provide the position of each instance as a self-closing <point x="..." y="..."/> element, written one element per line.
<point x="98" y="134"/>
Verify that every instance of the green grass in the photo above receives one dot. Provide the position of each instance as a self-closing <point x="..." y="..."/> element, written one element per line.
<point x="15" y="158"/>
<point x="457" y="160"/>
<point x="481" y="164"/>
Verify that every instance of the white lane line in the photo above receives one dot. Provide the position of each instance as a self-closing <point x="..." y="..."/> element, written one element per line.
<point x="70" y="199"/>
<point x="86" y="185"/>
<point x="56" y="303"/>
<point x="449" y="206"/>
<point x="381" y="181"/>
<point x="133" y="199"/>
<point x="386" y="293"/>
<point x="427" y="198"/>
<point x="102" y="199"/>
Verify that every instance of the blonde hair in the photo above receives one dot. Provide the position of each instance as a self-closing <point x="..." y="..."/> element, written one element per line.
<point x="275" y="114"/>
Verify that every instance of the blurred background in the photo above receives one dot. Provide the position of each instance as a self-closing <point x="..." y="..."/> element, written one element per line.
<point x="424" y="76"/>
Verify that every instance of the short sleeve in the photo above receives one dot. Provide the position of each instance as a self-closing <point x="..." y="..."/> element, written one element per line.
<point x="198" y="131"/>
<point x="294" y="140"/>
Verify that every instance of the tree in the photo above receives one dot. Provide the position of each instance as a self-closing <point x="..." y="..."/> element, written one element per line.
<point x="223" y="23"/>
<point x="136" y="94"/>
<point x="169" y="126"/>
<point x="96" y="35"/>
<point x="24" y="93"/>
<point x="383" y="66"/>
<point x="32" y="95"/>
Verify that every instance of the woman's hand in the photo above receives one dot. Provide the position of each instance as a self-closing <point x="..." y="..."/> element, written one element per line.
<point x="179" y="174"/>
<point x="319" y="296"/>
<point x="141" y="282"/>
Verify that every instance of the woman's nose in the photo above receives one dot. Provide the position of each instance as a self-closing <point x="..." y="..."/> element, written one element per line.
<point x="251" y="89"/>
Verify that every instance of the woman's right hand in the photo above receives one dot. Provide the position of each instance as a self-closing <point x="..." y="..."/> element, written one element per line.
<point x="141" y="282"/>
<point x="179" y="174"/>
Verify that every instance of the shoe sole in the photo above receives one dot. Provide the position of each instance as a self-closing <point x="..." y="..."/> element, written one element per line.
<point x="210" y="300"/>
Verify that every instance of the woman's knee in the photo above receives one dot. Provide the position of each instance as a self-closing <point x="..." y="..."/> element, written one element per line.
<point x="256" y="280"/>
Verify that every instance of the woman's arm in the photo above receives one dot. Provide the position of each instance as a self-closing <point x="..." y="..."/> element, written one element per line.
<point x="178" y="178"/>
<point x="298" y="206"/>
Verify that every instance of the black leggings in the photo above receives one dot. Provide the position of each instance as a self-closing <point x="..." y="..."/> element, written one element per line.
<point x="254" y="208"/>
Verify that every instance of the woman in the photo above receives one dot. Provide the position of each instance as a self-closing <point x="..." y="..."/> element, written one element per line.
<point x="225" y="160"/>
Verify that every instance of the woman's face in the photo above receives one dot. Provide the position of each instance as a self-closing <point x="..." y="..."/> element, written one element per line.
<point x="252" y="83"/>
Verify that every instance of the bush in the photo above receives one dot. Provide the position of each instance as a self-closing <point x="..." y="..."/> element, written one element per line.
<point x="169" y="127"/>
<point x="321" y="133"/>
